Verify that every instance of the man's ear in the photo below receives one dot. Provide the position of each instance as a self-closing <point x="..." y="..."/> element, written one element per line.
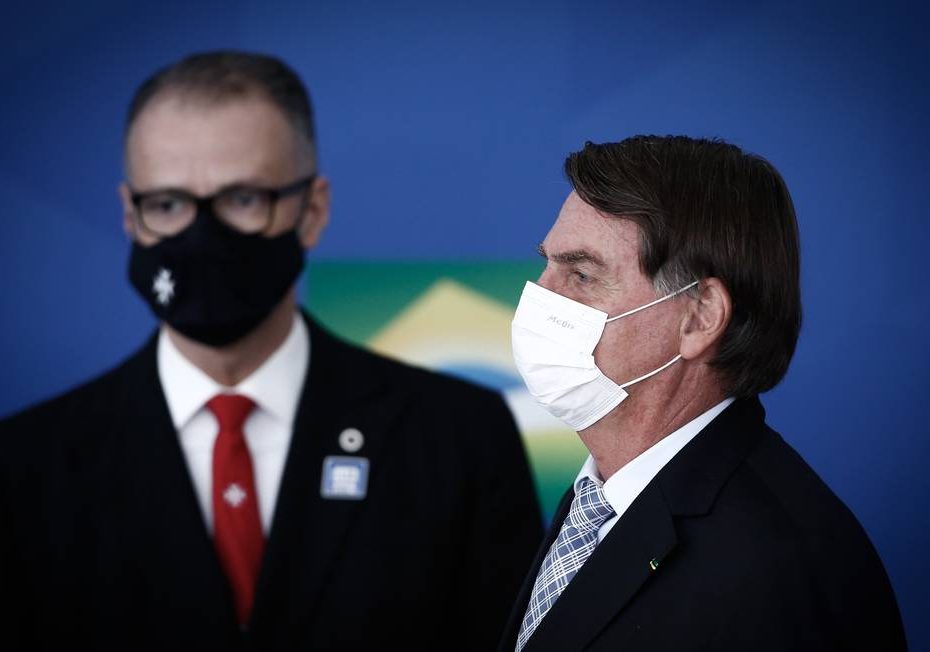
<point x="129" y="221"/>
<point x="706" y="320"/>
<point x="316" y="213"/>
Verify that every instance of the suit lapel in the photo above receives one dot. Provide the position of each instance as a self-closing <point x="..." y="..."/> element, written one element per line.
<point x="694" y="477"/>
<point x="620" y="565"/>
<point x="308" y="530"/>
<point x="162" y="535"/>
<point x="617" y="569"/>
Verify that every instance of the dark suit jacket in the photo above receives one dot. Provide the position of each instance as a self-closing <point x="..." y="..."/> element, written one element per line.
<point x="103" y="540"/>
<point x="752" y="552"/>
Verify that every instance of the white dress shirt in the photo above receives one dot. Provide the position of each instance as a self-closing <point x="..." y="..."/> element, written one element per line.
<point x="275" y="388"/>
<point x="622" y="488"/>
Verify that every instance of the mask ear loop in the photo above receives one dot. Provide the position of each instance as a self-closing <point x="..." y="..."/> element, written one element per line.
<point x="649" y="305"/>
<point x="652" y="373"/>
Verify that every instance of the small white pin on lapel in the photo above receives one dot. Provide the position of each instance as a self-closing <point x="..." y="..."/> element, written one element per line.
<point x="351" y="440"/>
<point x="653" y="564"/>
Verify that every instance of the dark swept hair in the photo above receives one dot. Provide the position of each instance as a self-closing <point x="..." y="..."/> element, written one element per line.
<point x="225" y="75"/>
<point x="705" y="208"/>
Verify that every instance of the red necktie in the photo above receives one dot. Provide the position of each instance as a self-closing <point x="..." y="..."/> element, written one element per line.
<point x="237" y="531"/>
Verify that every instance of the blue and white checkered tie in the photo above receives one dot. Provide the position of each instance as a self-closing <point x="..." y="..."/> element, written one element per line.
<point x="573" y="546"/>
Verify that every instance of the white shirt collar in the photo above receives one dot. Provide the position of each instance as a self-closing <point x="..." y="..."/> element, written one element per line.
<point x="622" y="488"/>
<point x="275" y="386"/>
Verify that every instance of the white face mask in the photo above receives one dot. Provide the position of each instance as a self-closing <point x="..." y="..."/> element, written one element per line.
<point x="553" y="341"/>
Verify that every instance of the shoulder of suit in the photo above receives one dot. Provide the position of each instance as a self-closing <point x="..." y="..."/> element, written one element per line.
<point x="791" y="521"/>
<point x="800" y="509"/>
<point x="81" y="407"/>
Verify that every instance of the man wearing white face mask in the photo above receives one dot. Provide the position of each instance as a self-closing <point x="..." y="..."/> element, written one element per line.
<point x="670" y="300"/>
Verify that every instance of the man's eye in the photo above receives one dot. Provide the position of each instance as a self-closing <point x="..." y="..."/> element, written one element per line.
<point x="165" y="205"/>
<point x="581" y="276"/>
<point x="243" y="198"/>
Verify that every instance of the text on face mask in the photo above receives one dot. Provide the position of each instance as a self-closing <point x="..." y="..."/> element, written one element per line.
<point x="564" y="323"/>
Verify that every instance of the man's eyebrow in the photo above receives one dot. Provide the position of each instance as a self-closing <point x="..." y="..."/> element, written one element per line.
<point x="571" y="257"/>
<point x="248" y="182"/>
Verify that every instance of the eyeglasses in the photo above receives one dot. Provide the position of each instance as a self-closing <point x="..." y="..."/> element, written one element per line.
<point x="248" y="209"/>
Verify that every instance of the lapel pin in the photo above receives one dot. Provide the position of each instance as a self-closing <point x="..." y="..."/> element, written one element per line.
<point x="653" y="564"/>
<point x="344" y="477"/>
<point x="351" y="440"/>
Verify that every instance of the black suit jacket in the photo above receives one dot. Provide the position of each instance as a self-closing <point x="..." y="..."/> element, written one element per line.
<point x="751" y="552"/>
<point x="103" y="540"/>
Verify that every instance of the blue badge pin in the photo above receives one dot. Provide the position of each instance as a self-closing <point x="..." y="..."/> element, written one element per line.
<point x="344" y="477"/>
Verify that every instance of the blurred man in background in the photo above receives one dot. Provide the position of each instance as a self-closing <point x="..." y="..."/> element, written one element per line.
<point x="670" y="300"/>
<point x="247" y="480"/>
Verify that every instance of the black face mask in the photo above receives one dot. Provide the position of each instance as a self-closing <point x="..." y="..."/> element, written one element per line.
<point x="213" y="283"/>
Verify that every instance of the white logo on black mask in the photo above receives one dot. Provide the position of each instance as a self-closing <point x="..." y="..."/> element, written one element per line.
<point x="163" y="286"/>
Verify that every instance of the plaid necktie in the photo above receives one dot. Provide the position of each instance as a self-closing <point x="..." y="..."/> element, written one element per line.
<point x="573" y="546"/>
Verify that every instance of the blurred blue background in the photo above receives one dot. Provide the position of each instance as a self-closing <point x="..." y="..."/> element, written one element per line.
<point x="443" y="130"/>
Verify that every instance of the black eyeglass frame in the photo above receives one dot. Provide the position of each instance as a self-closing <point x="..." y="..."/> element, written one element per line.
<point x="201" y="203"/>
